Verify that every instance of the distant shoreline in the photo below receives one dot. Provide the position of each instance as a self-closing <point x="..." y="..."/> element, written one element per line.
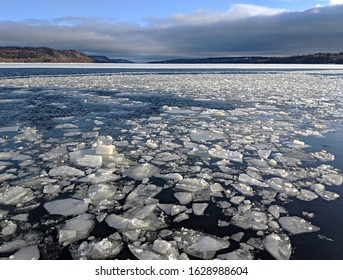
<point x="147" y="66"/>
<point x="47" y="56"/>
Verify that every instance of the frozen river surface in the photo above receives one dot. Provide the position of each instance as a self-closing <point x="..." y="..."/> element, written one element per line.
<point x="171" y="163"/>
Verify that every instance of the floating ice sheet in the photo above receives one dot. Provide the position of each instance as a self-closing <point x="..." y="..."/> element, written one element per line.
<point x="279" y="246"/>
<point x="65" y="170"/>
<point x="15" y="195"/>
<point x="142" y="171"/>
<point x="199" y="244"/>
<point x="66" y="207"/>
<point x="201" y="135"/>
<point x="297" y="225"/>
<point x="250" y="219"/>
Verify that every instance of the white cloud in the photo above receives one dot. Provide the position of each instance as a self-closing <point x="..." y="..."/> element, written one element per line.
<point x="200" y="17"/>
<point x="246" y="10"/>
<point x="336" y="2"/>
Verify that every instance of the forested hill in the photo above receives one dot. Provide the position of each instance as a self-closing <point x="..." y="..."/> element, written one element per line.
<point x="41" y="55"/>
<point x="318" y="58"/>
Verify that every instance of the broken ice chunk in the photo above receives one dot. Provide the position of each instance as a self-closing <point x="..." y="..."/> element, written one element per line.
<point x="101" y="176"/>
<point x="145" y="254"/>
<point x="264" y="154"/>
<point x="27" y="253"/>
<point x="176" y="209"/>
<point x="65" y="170"/>
<point x="244" y="178"/>
<point x="122" y="223"/>
<point x="237" y="199"/>
<point x="20" y="217"/>
<point x="218" y="152"/>
<point x="244" y="189"/>
<point x="199" y="135"/>
<point x="141" y="194"/>
<point x="51" y="189"/>
<point x="237" y="236"/>
<point x="258" y="163"/>
<point x="276" y="210"/>
<point x="166" y="156"/>
<point x="306" y="195"/>
<point x="181" y="217"/>
<point x="66" y="207"/>
<point x="323" y="156"/>
<point x="89" y="161"/>
<point x="297" y="225"/>
<point x="8" y="228"/>
<point x="250" y="219"/>
<point x="332" y="179"/>
<point x="183" y="197"/>
<point x="278" y="245"/>
<point x="75" y="229"/>
<point x="117" y="222"/>
<point x="297" y="144"/>
<point x="238" y="254"/>
<point x="200" y="245"/>
<point x="199" y="208"/>
<point x="15" y="195"/>
<point x="12" y="246"/>
<point x="170" y="176"/>
<point x="9" y="128"/>
<point x="106" y="150"/>
<point x="192" y="185"/>
<point x="216" y="187"/>
<point x="161" y="246"/>
<point x="282" y="186"/>
<point x="97" y="250"/>
<point x="86" y="158"/>
<point x="142" y="171"/>
<point x="101" y="191"/>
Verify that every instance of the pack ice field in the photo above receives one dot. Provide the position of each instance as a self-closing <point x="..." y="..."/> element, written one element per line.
<point x="171" y="164"/>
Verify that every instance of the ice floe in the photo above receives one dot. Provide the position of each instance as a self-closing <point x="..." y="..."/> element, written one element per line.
<point x="198" y="244"/>
<point x="142" y="171"/>
<point x="15" y="195"/>
<point x="65" y="170"/>
<point x="297" y="225"/>
<point x="27" y="253"/>
<point x="250" y="219"/>
<point x="66" y="207"/>
<point x="279" y="246"/>
<point x="75" y="229"/>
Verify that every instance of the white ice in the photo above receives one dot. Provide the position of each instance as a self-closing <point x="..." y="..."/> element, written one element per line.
<point x="184" y="197"/>
<point x="297" y="225"/>
<point x="199" y="244"/>
<point x="101" y="191"/>
<point x="238" y="254"/>
<point x="142" y="171"/>
<point x="250" y="219"/>
<point x="66" y="207"/>
<point x="278" y="245"/>
<point x="199" y="208"/>
<point x="75" y="229"/>
<point x="27" y="253"/>
<point x="201" y="135"/>
<point x="14" y="195"/>
<point x="65" y="170"/>
<point x="192" y="185"/>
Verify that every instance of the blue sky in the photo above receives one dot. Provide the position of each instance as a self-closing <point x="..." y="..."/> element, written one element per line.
<point x="139" y="29"/>
<point x="131" y="10"/>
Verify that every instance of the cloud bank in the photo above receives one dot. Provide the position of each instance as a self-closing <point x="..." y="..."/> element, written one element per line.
<point x="242" y="30"/>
